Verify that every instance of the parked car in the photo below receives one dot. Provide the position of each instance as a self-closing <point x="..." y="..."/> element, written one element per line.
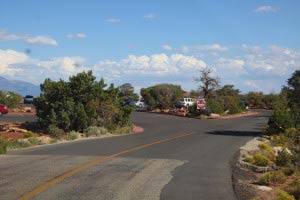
<point x="140" y="104"/>
<point x="187" y="101"/>
<point x="3" y="110"/>
<point x="28" y="99"/>
<point x="129" y="102"/>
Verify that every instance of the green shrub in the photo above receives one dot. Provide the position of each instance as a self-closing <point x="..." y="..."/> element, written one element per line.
<point x="273" y="177"/>
<point x="95" y="130"/>
<point x="249" y="160"/>
<point x="283" y="195"/>
<point x="288" y="171"/>
<point x="294" y="187"/>
<point x="34" y="141"/>
<point x="267" y="151"/>
<point x="28" y="134"/>
<point x="261" y="160"/>
<point x="280" y="120"/>
<point x="72" y="135"/>
<point x="55" y="132"/>
<point x="18" y="144"/>
<point x="284" y="158"/>
<point x="123" y="130"/>
<point x="3" y="146"/>
<point x="215" y="106"/>
<point x="280" y="140"/>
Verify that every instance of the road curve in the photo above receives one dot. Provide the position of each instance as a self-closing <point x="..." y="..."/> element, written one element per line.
<point x="175" y="158"/>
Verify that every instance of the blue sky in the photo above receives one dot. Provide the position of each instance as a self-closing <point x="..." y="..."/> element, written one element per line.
<point x="253" y="44"/>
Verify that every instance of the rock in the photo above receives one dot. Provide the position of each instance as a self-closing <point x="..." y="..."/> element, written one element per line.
<point x="280" y="149"/>
<point x="264" y="188"/>
<point x="214" y="115"/>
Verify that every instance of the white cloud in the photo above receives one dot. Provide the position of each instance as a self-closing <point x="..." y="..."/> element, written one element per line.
<point x="30" y="39"/>
<point x="81" y="35"/>
<point x="77" y="35"/>
<point x="8" y="61"/>
<point x="230" y="65"/>
<point x="113" y="20"/>
<point x="265" y="9"/>
<point x="154" y="65"/>
<point x="197" y="48"/>
<point x="166" y="47"/>
<point x="150" y="16"/>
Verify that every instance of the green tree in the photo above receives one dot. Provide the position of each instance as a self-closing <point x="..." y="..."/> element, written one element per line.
<point x="228" y="90"/>
<point x="127" y="92"/>
<point x="162" y="96"/>
<point x="10" y="99"/>
<point x="81" y="102"/>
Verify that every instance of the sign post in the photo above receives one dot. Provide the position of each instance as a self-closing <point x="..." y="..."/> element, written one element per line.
<point x="201" y="104"/>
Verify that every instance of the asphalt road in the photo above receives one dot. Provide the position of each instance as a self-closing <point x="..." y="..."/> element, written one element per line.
<point x="175" y="158"/>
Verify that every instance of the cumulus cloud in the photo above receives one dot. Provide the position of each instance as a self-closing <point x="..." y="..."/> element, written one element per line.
<point x="77" y="35"/>
<point x="265" y="9"/>
<point x="112" y="20"/>
<point x="230" y="65"/>
<point x="154" y="65"/>
<point x="29" y="39"/>
<point x="150" y="16"/>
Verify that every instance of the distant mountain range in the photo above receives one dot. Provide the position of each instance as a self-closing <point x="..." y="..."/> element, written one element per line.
<point x="20" y="87"/>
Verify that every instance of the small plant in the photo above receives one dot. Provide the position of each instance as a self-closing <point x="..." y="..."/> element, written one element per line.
<point x="55" y="132"/>
<point x="273" y="177"/>
<point x="34" y="141"/>
<point x="261" y="160"/>
<point x="267" y="151"/>
<point x="18" y="144"/>
<point x="294" y="188"/>
<point x="95" y="130"/>
<point x="283" y="158"/>
<point x="28" y="134"/>
<point x="283" y="195"/>
<point x="288" y="171"/>
<point x="73" y="135"/>
<point x="123" y="130"/>
<point x="249" y="160"/>
<point x="280" y="140"/>
<point x="3" y="146"/>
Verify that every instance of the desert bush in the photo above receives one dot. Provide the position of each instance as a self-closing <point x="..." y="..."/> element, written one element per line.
<point x="294" y="187"/>
<point x="280" y="140"/>
<point x="18" y="144"/>
<point x="55" y="132"/>
<point x="214" y="106"/>
<point x="267" y="151"/>
<point x="34" y="141"/>
<point x="3" y="146"/>
<point x="94" y="130"/>
<point x="283" y="195"/>
<point x="288" y="171"/>
<point x="280" y="120"/>
<point x="122" y="130"/>
<point x="10" y="99"/>
<point x="249" y="160"/>
<point x="273" y="177"/>
<point x="284" y="158"/>
<point x="261" y="160"/>
<point x="72" y="135"/>
<point x="28" y="134"/>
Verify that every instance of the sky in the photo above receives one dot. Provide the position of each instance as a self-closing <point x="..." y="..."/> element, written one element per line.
<point x="253" y="44"/>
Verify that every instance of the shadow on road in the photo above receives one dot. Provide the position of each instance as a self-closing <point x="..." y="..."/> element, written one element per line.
<point x="236" y="133"/>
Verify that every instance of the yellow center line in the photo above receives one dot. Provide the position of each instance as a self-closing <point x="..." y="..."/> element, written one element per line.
<point x="92" y="163"/>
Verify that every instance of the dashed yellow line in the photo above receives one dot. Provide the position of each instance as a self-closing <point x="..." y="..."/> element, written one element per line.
<point x="92" y="163"/>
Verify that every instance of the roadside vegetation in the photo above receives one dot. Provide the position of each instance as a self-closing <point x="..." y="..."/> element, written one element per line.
<point x="10" y="99"/>
<point x="277" y="159"/>
<point x="68" y="110"/>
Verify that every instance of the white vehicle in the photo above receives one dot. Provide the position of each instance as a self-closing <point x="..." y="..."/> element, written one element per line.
<point x="140" y="104"/>
<point x="187" y="101"/>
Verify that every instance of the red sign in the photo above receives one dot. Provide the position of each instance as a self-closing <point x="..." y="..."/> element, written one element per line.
<point x="201" y="104"/>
